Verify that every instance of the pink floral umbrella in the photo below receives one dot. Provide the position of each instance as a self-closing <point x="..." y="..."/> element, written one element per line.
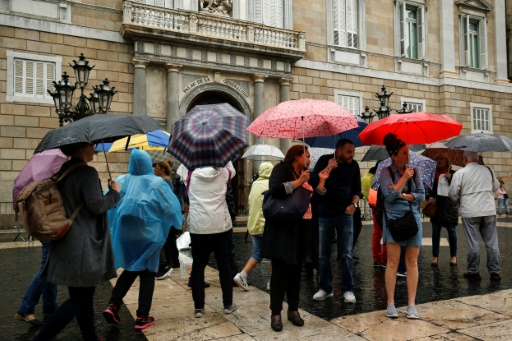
<point x="303" y="118"/>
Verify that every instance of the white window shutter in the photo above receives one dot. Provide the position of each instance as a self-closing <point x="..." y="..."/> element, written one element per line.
<point x="169" y="4"/>
<point x="258" y="11"/>
<point x="39" y="81"/>
<point x="467" y="52"/>
<point x="342" y="25"/>
<point x="50" y="77"/>
<point x="421" y="32"/>
<point x="19" y="76"/>
<point x="29" y="78"/>
<point x="280" y="14"/>
<point x="159" y="3"/>
<point x="401" y="6"/>
<point x="482" y="36"/>
<point x="336" y="21"/>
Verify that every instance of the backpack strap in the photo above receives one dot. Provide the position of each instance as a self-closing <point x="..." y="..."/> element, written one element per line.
<point x="62" y="176"/>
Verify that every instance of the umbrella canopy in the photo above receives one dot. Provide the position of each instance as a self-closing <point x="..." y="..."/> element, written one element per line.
<point x="330" y="141"/>
<point x="377" y="153"/>
<point x="153" y="140"/>
<point x="414" y="128"/>
<point x="481" y="142"/>
<point x="455" y="155"/>
<point x="98" y="128"/>
<point x="424" y="165"/>
<point x="263" y="152"/>
<point x="40" y="166"/>
<point x="303" y="118"/>
<point x="315" y="154"/>
<point x="209" y="135"/>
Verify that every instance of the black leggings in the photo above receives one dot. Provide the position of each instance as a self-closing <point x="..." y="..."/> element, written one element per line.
<point x="79" y="305"/>
<point x="146" y="289"/>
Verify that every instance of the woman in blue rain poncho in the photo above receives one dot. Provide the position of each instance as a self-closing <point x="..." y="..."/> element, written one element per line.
<point x="139" y="226"/>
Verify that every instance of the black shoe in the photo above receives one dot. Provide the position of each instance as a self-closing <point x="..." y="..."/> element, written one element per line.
<point x="164" y="272"/>
<point x="472" y="275"/>
<point x="295" y="318"/>
<point x="30" y="319"/>
<point x="276" y="323"/>
<point x="495" y="276"/>
<point x="144" y="322"/>
<point x="206" y="284"/>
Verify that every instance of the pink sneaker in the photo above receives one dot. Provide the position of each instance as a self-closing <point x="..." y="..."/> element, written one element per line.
<point x="144" y="322"/>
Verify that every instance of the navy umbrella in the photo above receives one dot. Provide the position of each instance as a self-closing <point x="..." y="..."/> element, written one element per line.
<point x="209" y="135"/>
<point x="330" y="141"/>
<point x="377" y="153"/>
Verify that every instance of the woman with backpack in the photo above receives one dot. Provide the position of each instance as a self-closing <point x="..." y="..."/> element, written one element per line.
<point x="83" y="258"/>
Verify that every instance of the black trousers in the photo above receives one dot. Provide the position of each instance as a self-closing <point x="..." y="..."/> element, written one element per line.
<point x="202" y="247"/>
<point x="79" y="305"/>
<point x="170" y="251"/>
<point x="147" y="287"/>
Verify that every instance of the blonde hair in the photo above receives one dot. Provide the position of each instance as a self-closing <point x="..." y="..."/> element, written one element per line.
<point x="446" y="157"/>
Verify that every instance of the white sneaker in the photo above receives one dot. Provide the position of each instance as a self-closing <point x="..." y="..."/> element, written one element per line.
<point x="268" y="285"/>
<point x="321" y="295"/>
<point x="349" y="297"/>
<point x="241" y="281"/>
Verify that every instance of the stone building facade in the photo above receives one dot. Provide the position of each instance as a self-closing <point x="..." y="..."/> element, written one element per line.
<point x="165" y="56"/>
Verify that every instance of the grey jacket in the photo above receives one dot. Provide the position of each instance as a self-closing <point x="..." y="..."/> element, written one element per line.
<point x="84" y="257"/>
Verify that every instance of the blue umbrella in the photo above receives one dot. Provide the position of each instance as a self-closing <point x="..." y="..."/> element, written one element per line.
<point x="330" y="141"/>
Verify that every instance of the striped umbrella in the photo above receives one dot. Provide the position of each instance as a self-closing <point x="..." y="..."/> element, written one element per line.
<point x="209" y="135"/>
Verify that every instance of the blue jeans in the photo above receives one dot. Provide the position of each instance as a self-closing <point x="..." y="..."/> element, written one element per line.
<point x="39" y="286"/>
<point x="436" y="239"/>
<point x="345" y="234"/>
<point x="502" y="202"/>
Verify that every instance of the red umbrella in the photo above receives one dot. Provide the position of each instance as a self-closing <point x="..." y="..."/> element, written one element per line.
<point x="303" y="118"/>
<point x="414" y="128"/>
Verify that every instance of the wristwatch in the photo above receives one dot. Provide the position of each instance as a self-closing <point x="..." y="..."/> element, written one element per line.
<point x="356" y="205"/>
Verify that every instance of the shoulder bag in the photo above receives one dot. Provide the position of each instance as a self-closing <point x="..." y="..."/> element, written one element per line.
<point x="292" y="207"/>
<point x="404" y="227"/>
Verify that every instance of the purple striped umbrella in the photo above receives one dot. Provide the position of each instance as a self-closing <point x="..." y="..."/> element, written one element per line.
<point x="209" y="135"/>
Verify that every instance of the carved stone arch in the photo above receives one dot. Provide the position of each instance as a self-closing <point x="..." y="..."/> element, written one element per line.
<point x="234" y="97"/>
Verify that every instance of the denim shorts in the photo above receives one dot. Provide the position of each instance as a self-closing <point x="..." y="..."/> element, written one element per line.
<point x="257" y="240"/>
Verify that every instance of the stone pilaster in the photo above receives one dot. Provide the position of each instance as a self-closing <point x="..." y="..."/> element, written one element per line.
<point x="285" y="82"/>
<point x="172" y="109"/>
<point x="139" y="86"/>
<point x="259" y="97"/>
<point x="447" y="47"/>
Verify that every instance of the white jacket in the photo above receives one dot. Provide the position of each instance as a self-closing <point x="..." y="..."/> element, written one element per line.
<point x="473" y="188"/>
<point x="208" y="212"/>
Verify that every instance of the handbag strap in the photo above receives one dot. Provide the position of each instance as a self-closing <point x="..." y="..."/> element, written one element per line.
<point x="409" y="185"/>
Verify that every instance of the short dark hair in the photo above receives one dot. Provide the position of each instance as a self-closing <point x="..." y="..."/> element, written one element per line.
<point x="342" y="142"/>
<point x="294" y="151"/>
<point x="71" y="149"/>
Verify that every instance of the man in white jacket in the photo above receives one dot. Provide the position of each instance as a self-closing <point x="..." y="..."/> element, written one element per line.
<point x="210" y="225"/>
<point x="473" y="188"/>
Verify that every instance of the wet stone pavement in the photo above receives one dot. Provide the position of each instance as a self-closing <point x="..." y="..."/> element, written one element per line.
<point x="19" y="263"/>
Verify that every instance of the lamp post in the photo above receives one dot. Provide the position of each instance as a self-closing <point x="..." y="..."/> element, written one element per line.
<point x="384" y="110"/>
<point x="98" y="102"/>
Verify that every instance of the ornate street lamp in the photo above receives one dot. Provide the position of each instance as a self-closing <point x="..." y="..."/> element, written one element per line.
<point x="384" y="110"/>
<point x="98" y="102"/>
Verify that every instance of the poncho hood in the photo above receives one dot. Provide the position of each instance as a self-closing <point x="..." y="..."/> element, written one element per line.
<point x="265" y="170"/>
<point x="140" y="163"/>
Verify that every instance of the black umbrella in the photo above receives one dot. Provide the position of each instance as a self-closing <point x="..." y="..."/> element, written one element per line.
<point x="481" y="142"/>
<point x="377" y="153"/>
<point x="98" y="128"/>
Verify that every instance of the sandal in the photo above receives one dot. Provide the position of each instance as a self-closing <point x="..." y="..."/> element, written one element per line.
<point x="453" y="263"/>
<point x="434" y="262"/>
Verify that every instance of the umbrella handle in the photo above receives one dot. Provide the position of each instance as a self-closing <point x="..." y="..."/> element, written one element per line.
<point x="105" y="153"/>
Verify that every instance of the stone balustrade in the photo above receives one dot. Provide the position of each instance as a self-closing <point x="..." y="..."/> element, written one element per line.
<point x="201" y="25"/>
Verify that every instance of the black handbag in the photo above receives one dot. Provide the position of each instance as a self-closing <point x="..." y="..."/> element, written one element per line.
<point x="404" y="227"/>
<point x="505" y="196"/>
<point x="290" y="208"/>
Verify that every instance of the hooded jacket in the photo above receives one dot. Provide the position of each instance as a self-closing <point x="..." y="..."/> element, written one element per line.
<point x="256" y="221"/>
<point x="143" y="217"/>
<point x="208" y="212"/>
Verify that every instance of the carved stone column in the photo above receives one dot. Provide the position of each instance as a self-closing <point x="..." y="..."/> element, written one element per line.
<point x="172" y="109"/>
<point x="285" y="82"/>
<point x="139" y="86"/>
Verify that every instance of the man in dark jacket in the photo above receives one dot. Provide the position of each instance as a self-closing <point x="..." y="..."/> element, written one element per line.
<point x="338" y="201"/>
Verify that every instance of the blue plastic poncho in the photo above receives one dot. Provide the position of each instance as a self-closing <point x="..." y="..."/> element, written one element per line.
<point x="143" y="217"/>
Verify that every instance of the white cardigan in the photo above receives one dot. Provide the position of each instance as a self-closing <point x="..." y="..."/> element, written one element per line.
<point x="473" y="188"/>
<point x="208" y="212"/>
